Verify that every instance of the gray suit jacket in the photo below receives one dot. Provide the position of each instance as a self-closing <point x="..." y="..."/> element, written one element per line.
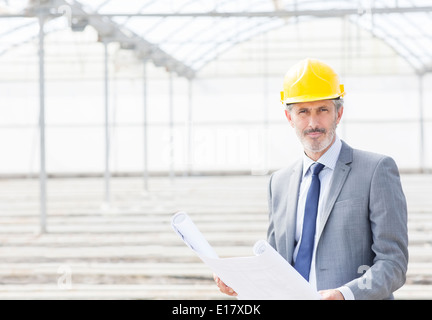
<point x="362" y="238"/>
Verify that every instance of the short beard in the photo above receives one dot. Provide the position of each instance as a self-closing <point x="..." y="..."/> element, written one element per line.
<point x="316" y="146"/>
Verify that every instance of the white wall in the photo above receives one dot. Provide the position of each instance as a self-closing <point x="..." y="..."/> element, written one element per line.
<point x="232" y="97"/>
<point x="381" y="115"/>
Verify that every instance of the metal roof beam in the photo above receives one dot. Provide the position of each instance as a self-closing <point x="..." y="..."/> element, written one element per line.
<point x="255" y="14"/>
<point x="109" y="31"/>
<point x="281" y="13"/>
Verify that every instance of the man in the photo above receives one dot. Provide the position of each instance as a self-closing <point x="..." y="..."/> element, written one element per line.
<point x="338" y="215"/>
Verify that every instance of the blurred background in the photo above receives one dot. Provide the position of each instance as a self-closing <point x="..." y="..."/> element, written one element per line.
<point x="116" y="114"/>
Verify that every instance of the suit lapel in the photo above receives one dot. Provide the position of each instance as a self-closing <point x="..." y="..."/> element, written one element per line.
<point x="293" y="192"/>
<point x="339" y="176"/>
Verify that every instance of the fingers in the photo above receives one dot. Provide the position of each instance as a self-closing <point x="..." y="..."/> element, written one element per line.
<point x="223" y="287"/>
<point x="331" y="295"/>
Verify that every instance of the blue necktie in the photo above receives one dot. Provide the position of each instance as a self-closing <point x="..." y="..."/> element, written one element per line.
<point x="304" y="255"/>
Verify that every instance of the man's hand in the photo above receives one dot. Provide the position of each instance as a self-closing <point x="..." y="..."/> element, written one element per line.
<point x="331" y="295"/>
<point x="223" y="287"/>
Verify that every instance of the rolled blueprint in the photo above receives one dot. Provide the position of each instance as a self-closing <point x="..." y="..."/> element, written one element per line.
<point x="190" y="234"/>
<point x="260" y="247"/>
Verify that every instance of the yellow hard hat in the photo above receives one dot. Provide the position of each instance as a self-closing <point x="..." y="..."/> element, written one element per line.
<point x="311" y="80"/>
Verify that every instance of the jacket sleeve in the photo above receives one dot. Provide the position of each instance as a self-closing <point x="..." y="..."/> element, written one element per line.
<point x="388" y="218"/>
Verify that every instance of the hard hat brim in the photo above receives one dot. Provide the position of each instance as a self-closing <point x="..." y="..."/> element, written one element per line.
<point x="309" y="98"/>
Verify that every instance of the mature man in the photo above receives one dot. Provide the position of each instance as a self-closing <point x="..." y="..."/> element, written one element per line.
<point x="339" y="214"/>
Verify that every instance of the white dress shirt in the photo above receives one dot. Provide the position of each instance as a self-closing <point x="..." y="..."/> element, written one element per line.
<point x="329" y="160"/>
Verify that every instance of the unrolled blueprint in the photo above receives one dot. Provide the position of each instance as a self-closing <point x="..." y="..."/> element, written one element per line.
<point x="267" y="275"/>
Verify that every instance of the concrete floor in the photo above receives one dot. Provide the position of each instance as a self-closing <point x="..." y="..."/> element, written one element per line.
<point x="127" y="250"/>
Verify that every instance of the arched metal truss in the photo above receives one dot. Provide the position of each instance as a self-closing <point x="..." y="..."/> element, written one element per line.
<point x="185" y="35"/>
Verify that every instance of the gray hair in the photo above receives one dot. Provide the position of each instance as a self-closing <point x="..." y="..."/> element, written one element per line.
<point x="338" y="103"/>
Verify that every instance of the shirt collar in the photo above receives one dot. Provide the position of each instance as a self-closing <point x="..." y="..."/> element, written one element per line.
<point x="328" y="159"/>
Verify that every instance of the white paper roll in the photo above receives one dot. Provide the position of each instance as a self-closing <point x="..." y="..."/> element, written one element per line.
<point x="188" y="231"/>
